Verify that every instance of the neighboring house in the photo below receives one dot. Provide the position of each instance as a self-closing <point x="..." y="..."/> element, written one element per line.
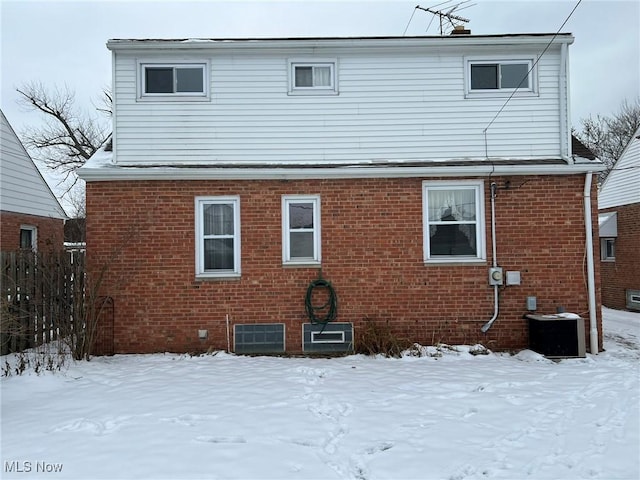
<point x="243" y="170"/>
<point x="30" y="215"/>
<point x="619" y="203"/>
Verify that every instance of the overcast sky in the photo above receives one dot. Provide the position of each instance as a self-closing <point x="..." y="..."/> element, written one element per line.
<point x="63" y="42"/>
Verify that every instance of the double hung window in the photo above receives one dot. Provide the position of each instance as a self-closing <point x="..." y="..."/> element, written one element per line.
<point x="301" y="229"/>
<point x="453" y="221"/>
<point x="217" y="236"/>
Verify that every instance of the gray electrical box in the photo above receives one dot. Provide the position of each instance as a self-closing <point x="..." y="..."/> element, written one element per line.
<point x="513" y="277"/>
<point x="495" y="276"/>
<point x="532" y="304"/>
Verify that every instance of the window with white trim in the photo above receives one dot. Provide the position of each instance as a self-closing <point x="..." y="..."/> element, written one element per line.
<point x="28" y="237"/>
<point x="314" y="77"/>
<point x="500" y="75"/>
<point x="217" y="236"/>
<point x="301" y="229"/>
<point x="453" y="221"/>
<point x="608" y="249"/>
<point x="188" y="79"/>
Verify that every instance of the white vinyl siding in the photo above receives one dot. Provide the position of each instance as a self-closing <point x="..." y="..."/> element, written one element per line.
<point x="401" y="105"/>
<point x="217" y="221"/>
<point x="22" y="187"/>
<point x="621" y="185"/>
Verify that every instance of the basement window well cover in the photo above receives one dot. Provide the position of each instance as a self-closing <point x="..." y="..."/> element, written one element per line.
<point x="259" y="338"/>
<point x="327" y="338"/>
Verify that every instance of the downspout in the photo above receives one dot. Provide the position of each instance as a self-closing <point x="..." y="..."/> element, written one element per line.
<point x="563" y="97"/>
<point x="591" y="285"/>
<point x="487" y="325"/>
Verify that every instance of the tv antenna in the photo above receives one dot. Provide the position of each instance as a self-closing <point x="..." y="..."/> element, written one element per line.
<point x="446" y="14"/>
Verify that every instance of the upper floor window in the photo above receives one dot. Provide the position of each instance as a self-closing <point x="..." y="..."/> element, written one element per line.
<point x="301" y="229"/>
<point x="217" y="236"/>
<point x="173" y="79"/>
<point x="453" y="221"/>
<point x="500" y="75"/>
<point x="312" y="77"/>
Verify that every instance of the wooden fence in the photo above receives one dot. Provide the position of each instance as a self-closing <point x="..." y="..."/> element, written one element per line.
<point x="39" y="291"/>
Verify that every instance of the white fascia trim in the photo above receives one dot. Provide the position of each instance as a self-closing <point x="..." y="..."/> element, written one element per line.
<point x="226" y="44"/>
<point x="292" y="173"/>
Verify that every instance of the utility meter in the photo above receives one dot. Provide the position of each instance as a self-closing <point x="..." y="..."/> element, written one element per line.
<point x="495" y="276"/>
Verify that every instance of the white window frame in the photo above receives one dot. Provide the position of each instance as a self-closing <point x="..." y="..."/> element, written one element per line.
<point x="478" y="187"/>
<point x="332" y="63"/>
<point x="286" y="230"/>
<point x="531" y="90"/>
<point x="603" y="249"/>
<point x="201" y="272"/>
<point x="34" y="236"/>
<point x="174" y="96"/>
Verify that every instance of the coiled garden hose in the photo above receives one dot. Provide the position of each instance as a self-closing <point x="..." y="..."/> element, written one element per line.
<point x="325" y="313"/>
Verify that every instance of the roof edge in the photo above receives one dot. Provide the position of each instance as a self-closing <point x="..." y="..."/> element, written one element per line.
<point x="341" y="172"/>
<point x="224" y="43"/>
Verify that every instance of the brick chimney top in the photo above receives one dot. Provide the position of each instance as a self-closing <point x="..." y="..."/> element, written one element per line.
<point x="460" y="30"/>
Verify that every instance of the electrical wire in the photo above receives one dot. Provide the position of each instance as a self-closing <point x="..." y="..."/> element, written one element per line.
<point x="530" y="70"/>
<point x="409" y="23"/>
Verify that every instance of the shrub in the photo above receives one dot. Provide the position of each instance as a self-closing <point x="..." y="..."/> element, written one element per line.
<point x="377" y="338"/>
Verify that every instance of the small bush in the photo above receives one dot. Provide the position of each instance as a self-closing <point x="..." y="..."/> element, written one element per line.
<point x="377" y="338"/>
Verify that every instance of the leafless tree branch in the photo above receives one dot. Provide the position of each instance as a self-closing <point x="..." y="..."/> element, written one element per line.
<point x="67" y="139"/>
<point x="607" y="137"/>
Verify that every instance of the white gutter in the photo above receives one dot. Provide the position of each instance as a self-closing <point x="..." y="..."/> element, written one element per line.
<point x="591" y="286"/>
<point x="316" y="42"/>
<point x="113" y="172"/>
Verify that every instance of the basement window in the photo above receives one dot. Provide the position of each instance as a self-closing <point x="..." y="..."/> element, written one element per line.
<point x="633" y="299"/>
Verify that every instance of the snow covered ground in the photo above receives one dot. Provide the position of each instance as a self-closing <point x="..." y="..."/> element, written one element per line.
<point x="457" y="416"/>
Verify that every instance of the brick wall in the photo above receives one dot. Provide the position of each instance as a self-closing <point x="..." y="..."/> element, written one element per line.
<point x="624" y="273"/>
<point x="50" y="233"/>
<point x="371" y="252"/>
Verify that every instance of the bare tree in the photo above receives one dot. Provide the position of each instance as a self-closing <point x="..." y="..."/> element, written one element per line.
<point x="607" y="137"/>
<point x="68" y="138"/>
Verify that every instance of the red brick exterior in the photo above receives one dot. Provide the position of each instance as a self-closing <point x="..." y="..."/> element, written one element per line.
<point x="624" y="272"/>
<point x="50" y="233"/>
<point x="371" y="252"/>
